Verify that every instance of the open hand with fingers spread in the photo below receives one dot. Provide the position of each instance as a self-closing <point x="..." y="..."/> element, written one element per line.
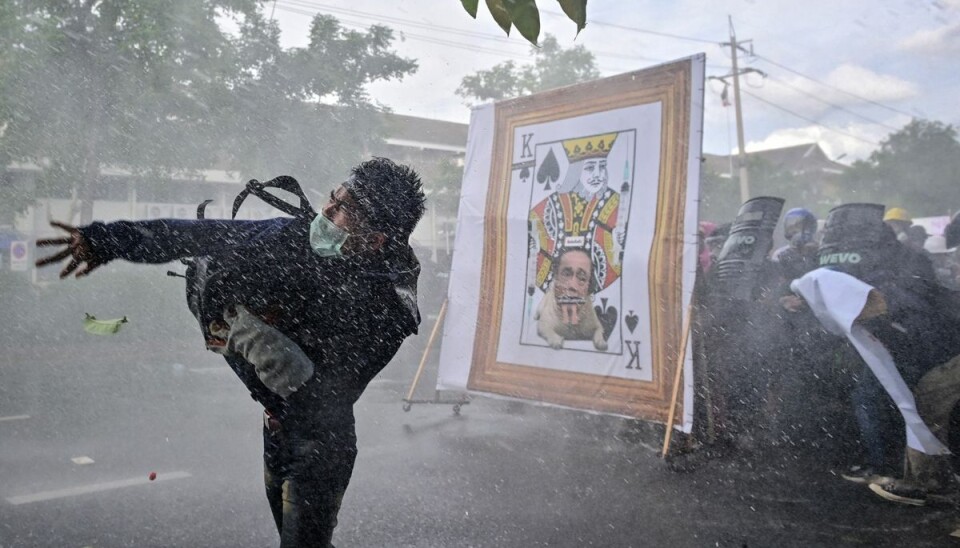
<point x="77" y="249"/>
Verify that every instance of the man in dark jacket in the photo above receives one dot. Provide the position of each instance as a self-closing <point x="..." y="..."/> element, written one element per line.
<point x="339" y="288"/>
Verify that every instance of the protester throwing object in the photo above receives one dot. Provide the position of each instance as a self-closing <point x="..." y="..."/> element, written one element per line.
<point x="310" y="307"/>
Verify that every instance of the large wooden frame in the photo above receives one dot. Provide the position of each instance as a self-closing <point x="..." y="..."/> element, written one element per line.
<point x="671" y="86"/>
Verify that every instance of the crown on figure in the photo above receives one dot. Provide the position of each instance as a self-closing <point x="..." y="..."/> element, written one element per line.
<point x="597" y="146"/>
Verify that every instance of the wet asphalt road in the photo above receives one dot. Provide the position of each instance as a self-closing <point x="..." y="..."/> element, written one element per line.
<point x="497" y="475"/>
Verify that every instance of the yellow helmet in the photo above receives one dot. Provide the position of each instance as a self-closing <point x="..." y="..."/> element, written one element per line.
<point x="897" y="214"/>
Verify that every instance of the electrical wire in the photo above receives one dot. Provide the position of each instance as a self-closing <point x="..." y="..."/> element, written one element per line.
<point x="428" y="39"/>
<point x="811" y="120"/>
<point x="828" y="103"/>
<point x="604" y="69"/>
<point x="302" y="7"/>
<point x="812" y="79"/>
<point x="319" y="7"/>
<point x="305" y="4"/>
<point x="638" y="30"/>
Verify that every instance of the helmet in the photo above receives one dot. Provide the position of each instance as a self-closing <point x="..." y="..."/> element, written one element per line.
<point x="897" y="214"/>
<point x="936" y="245"/>
<point x="799" y="226"/>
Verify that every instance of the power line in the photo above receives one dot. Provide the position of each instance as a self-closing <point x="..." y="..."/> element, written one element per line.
<point x="812" y="121"/>
<point x="401" y="21"/>
<point x="428" y="39"/>
<point x="835" y="88"/>
<point x="639" y="30"/>
<point x="304" y="4"/>
<point x="834" y="105"/>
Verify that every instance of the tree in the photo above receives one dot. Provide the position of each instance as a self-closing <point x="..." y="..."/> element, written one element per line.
<point x="305" y="111"/>
<point x="553" y="67"/>
<point x="122" y="83"/>
<point x="444" y="188"/>
<point x="917" y="167"/>
<point x="158" y="87"/>
<point x="525" y="16"/>
<point x="719" y="197"/>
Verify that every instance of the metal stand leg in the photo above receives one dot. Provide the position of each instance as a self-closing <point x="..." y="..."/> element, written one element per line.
<point x="409" y="401"/>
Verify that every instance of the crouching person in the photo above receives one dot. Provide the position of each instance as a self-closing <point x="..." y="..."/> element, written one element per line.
<point x="929" y="477"/>
<point x="318" y="305"/>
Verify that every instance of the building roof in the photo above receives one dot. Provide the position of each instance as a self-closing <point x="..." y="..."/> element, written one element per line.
<point x="805" y="158"/>
<point x="398" y="130"/>
<point x="412" y="131"/>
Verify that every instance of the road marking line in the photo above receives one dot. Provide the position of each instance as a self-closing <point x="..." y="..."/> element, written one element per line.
<point x="93" y="488"/>
<point x="14" y="418"/>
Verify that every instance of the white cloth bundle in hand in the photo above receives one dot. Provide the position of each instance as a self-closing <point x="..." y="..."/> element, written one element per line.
<point x="279" y="362"/>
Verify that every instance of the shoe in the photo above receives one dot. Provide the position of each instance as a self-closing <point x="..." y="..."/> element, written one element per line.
<point x="864" y="475"/>
<point x="901" y="492"/>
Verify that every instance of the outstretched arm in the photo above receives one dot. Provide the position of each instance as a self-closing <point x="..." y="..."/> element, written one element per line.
<point x="157" y="241"/>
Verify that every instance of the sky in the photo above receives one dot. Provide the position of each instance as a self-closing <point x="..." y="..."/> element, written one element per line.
<point x="843" y="74"/>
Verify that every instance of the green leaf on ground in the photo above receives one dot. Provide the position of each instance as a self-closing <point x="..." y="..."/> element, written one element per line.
<point x="102" y="327"/>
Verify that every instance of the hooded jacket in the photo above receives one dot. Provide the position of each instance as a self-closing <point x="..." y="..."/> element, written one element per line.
<point x="348" y="315"/>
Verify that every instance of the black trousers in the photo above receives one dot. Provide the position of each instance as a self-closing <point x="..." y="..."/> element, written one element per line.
<point x="305" y="480"/>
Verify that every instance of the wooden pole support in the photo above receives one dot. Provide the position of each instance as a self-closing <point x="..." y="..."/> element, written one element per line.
<point x="426" y="351"/>
<point x="676" y="379"/>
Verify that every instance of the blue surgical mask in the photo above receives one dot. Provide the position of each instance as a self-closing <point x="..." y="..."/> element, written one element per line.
<point x="326" y="238"/>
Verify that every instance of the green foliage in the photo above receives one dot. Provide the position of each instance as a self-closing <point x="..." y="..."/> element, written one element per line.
<point x="917" y="167"/>
<point x="158" y="87"/>
<point x="444" y="188"/>
<point x="526" y="19"/>
<point x="524" y="15"/>
<point x="553" y="67"/>
<point x="122" y="83"/>
<point x="719" y="197"/>
<point x="471" y="7"/>
<point x="305" y="111"/>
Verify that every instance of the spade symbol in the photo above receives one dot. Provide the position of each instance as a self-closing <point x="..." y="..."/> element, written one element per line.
<point x="607" y="316"/>
<point x="631" y="321"/>
<point x="549" y="170"/>
<point x="525" y="173"/>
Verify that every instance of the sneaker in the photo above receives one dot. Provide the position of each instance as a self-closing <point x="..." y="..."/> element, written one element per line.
<point x="902" y="492"/>
<point x="864" y="475"/>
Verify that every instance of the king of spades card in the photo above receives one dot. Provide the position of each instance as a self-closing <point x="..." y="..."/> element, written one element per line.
<point x="576" y="245"/>
<point x="575" y="292"/>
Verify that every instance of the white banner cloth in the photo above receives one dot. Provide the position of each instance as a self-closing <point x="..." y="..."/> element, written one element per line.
<point x="837" y="299"/>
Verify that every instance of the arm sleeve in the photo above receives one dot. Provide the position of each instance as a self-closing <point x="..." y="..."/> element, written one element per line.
<point x="165" y="240"/>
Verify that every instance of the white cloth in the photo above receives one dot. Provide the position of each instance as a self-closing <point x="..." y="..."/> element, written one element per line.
<point x="837" y="299"/>
<point x="279" y="362"/>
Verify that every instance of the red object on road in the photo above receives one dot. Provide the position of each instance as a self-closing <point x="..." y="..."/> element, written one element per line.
<point x="152" y="476"/>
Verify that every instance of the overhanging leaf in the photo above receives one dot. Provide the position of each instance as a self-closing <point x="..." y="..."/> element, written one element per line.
<point x="576" y="10"/>
<point x="500" y="14"/>
<point x="526" y="18"/>
<point x="471" y="7"/>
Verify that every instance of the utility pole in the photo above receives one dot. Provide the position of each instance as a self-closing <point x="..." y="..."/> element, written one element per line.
<point x="742" y="156"/>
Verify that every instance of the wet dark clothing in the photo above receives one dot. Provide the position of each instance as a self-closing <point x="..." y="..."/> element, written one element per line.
<point x="918" y="333"/>
<point x="794" y="262"/>
<point x="349" y="316"/>
<point x="918" y="329"/>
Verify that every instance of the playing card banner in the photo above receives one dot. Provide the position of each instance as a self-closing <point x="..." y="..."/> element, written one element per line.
<point x="576" y="242"/>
